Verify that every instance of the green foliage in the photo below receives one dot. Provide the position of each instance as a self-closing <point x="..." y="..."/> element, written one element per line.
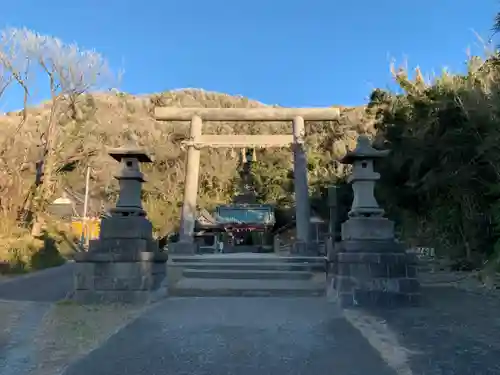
<point x="443" y="173"/>
<point x="272" y="177"/>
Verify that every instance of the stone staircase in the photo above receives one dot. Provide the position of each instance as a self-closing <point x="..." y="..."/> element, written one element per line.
<point x="246" y="274"/>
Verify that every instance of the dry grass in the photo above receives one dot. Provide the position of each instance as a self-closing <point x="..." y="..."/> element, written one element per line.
<point x="25" y="253"/>
<point x="69" y="331"/>
<point x="116" y="119"/>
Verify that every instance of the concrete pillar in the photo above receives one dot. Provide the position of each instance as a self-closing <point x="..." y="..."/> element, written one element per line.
<point x="332" y="224"/>
<point x="188" y="214"/>
<point x="276" y="243"/>
<point x="302" y="206"/>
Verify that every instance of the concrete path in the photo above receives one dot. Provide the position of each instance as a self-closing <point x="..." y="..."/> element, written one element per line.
<point x="455" y="332"/>
<point x="16" y="356"/>
<point x="237" y="336"/>
<point x="33" y="295"/>
<point x="49" y="285"/>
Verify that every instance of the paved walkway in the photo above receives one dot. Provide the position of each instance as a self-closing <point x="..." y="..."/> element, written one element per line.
<point x="32" y="295"/>
<point x="237" y="336"/>
<point x="454" y="332"/>
<point x="49" y="285"/>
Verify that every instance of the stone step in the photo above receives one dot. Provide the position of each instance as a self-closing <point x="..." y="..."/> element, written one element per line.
<point x="276" y="266"/>
<point x="190" y="287"/>
<point x="246" y="274"/>
<point x="238" y="249"/>
<point x="246" y="257"/>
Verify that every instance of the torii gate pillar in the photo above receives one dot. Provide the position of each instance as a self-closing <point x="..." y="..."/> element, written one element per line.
<point x="188" y="213"/>
<point x="302" y="204"/>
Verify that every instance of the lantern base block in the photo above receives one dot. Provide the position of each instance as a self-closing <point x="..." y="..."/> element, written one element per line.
<point x="133" y="227"/>
<point x="135" y="278"/>
<point x="368" y="228"/>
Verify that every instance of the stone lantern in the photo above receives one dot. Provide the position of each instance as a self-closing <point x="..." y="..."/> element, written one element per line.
<point x="364" y="177"/>
<point x="125" y="264"/>
<point x="130" y="180"/>
<point x="128" y="217"/>
<point x="366" y="221"/>
<point x="371" y="267"/>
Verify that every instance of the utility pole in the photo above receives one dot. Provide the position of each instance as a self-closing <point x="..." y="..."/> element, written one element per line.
<point x="85" y="235"/>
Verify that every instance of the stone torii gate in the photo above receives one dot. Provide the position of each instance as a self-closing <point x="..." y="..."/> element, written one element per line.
<point x="197" y="140"/>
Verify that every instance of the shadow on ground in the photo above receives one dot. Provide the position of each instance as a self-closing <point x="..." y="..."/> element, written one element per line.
<point x="453" y="332"/>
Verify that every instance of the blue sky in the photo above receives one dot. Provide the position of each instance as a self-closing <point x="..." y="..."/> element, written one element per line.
<point x="293" y="53"/>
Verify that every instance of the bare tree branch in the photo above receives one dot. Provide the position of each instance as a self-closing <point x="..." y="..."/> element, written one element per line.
<point x="71" y="72"/>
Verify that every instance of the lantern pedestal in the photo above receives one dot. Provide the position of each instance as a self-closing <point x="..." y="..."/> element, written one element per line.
<point x="370" y="269"/>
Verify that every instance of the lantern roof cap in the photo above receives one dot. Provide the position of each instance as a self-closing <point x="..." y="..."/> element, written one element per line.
<point x="363" y="150"/>
<point x="130" y="152"/>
